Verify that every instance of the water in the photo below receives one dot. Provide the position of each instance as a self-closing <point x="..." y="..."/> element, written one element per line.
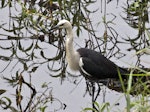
<point x="66" y="92"/>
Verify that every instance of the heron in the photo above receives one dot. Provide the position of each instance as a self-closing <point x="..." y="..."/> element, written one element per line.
<point x="91" y="64"/>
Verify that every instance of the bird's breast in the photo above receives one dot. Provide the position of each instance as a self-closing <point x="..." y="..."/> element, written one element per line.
<point x="73" y="60"/>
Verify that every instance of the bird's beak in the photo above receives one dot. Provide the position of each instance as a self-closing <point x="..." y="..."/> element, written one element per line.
<point x="55" y="27"/>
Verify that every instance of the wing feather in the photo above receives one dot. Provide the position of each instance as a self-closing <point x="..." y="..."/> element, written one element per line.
<point x="98" y="66"/>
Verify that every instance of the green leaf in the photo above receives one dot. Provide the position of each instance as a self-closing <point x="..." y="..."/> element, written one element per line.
<point x="89" y="109"/>
<point x="96" y="104"/>
<point x="2" y="91"/>
<point x="104" y="106"/>
<point x="42" y="109"/>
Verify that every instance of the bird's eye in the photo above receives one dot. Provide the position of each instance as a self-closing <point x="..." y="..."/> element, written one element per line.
<point x="62" y="25"/>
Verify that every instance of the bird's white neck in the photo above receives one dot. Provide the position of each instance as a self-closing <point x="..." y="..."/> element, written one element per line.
<point x="69" y="41"/>
<point x="71" y="54"/>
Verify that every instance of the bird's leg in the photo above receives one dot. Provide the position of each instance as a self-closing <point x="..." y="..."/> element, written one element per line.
<point x="93" y="95"/>
<point x="104" y="92"/>
<point x="98" y="91"/>
<point x="88" y="87"/>
<point x="93" y="92"/>
<point x="91" y="89"/>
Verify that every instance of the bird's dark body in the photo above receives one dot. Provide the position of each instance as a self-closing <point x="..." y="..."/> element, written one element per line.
<point x="98" y="66"/>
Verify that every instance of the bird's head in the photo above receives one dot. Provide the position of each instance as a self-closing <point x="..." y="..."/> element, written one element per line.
<point x="63" y="24"/>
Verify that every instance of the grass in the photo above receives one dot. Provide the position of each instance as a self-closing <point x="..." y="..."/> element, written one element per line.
<point x="140" y="91"/>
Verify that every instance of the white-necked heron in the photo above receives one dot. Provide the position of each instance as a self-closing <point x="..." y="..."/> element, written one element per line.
<point x="92" y="65"/>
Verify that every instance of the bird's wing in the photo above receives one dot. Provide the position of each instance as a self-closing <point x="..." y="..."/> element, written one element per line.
<point x="92" y="69"/>
<point x="96" y="65"/>
<point x="88" y="67"/>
